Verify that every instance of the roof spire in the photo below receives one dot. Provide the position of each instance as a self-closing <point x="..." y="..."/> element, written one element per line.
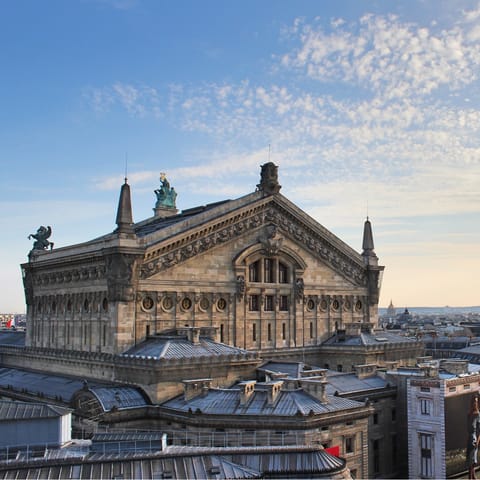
<point x="124" y="212"/>
<point x="367" y="245"/>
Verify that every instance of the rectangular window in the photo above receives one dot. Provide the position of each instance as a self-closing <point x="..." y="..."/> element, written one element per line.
<point x="349" y="444"/>
<point x="269" y="303"/>
<point x="282" y="273"/>
<point x="425" y="406"/>
<point x="104" y="335"/>
<point x="254" y="332"/>
<point x="375" y="418"/>
<point x="254" y="272"/>
<point x="426" y="444"/>
<point x="311" y="329"/>
<point x="376" y="456"/>
<point x="254" y="303"/>
<point x="268" y="270"/>
<point x="283" y="303"/>
<point x="284" y="331"/>
<point x="394" y="450"/>
<point x="269" y="332"/>
<point x="394" y="414"/>
<point x="221" y="333"/>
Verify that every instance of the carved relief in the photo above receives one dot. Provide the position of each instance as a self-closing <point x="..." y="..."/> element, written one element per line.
<point x="120" y="269"/>
<point x="271" y="241"/>
<point x="227" y="230"/>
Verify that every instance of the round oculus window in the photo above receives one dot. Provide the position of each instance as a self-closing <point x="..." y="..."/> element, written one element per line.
<point x="186" y="303"/>
<point x="221" y="304"/>
<point x="147" y="303"/>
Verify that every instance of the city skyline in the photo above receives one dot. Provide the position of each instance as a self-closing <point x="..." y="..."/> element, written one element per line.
<point x="367" y="109"/>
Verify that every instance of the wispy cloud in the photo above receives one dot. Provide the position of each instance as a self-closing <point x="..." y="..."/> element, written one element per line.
<point x="409" y="140"/>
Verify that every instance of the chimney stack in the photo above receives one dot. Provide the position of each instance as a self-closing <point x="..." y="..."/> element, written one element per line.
<point x="273" y="390"/>
<point x="194" y="388"/>
<point x="246" y="391"/>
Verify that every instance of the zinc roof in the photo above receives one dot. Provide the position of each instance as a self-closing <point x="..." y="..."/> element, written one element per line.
<point x="157" y="223"/>
<point x="15" y="338"/>
<point x="112" y="466"/>
<point x="364" y="339"/>
<point x="288" y="403"/>
<point x="349" y="382"/>
<point x="292" y="369"/>
<point x="63" y="388"/>
<point x="119" y="397"/>
<point x="178" y="347"/>
<point x="10" y="410"/>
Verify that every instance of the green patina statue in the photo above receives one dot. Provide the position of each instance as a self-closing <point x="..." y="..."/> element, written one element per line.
<point x="41" y="238"/>
<point x="165" y="195"/>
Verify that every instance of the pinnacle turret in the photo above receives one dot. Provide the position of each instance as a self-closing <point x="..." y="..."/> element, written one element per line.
<point x="124" y="212"/>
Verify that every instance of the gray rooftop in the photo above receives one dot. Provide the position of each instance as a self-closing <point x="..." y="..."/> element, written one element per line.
<point x="288" y="403"/>
<point x="185" y="463"/>
<point x="119" y="397"/>
<point x="345" y="383"/>
<point x="158" y="223"/>
<point x="10" y="410"/>
<point x="365" y="339"/>
<point x="176" y="347"/>
<point x="10" y="337"/>
<point x="62" y="388"/>
<point x="292" y="369"/>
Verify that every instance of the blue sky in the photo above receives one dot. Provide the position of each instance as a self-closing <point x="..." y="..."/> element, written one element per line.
<point x="369" y="106"/>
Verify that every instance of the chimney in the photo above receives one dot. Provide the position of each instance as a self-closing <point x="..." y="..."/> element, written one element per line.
<point x="317" y="373"/>
<point x="246" y="391"/>
<point x="455" y="367"/>
<point x="273" y="390"/>
<point x="316" y="388"/>
<point x="392" y="364"/>
<point x="366" y="371"/>
<point x="209" y="332"/>
<point x="353" y="329"/>
<point x="429" y="369"/>
<point x="192" y="333"/>
<point x="195" y="388"/>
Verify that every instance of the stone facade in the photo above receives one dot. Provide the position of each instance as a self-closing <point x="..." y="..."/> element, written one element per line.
<point x="260" y="271"/>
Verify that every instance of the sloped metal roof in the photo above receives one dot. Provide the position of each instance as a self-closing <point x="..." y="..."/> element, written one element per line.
<point x="119" y="397"/>
<point x="179" y="347"/>
<point x="292" y="369"/>
<point x="63" y="388"/>
<point x="111" y="466"/>
<point x="15" y="338"/>
<point x="349" y="382"/>
<point x="291" y="460"/>
<point x="49" y="385"/>
<point x="10" y="410"/>
<point x="158" y="223"/>
<point x="288" y="403"/>
<point x="363" y="339"/>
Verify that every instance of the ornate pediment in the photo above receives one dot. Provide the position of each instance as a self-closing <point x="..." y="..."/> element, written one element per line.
<point x="280" y="222"/>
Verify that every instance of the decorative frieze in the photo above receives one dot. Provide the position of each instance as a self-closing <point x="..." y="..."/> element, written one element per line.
<point x="270" y="214"/>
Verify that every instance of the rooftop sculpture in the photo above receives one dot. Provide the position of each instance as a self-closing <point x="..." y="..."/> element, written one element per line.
<point x="41" y="238"/>
<point x="165" y="195"/>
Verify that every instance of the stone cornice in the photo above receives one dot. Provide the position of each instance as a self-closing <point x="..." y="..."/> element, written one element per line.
<point x="224" y="229"/>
